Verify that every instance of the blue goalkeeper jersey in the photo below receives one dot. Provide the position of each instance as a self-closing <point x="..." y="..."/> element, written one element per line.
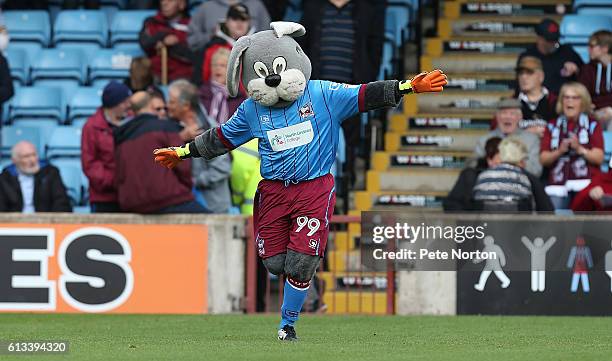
<point x="297" y="142"/>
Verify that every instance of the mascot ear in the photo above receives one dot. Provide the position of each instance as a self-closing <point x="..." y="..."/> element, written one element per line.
<point x="281" y="28"/>
<point x="234" y="63"/>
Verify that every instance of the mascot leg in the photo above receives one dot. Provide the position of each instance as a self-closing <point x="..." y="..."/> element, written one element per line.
<point x="299" y="270"/>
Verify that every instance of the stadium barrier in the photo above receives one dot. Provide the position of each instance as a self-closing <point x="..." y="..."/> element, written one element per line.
<point x="122" y="263"/>
<point x="342" y="285"/>
<point x="521" y="264"/>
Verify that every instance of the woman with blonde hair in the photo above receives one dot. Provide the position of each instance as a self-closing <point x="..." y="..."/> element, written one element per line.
<point x="572" y="146"/>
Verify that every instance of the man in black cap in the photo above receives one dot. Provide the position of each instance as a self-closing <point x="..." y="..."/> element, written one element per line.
<point x="560" y="62"/>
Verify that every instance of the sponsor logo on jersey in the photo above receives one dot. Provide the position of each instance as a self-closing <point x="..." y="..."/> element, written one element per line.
<point x="291" y="137"/>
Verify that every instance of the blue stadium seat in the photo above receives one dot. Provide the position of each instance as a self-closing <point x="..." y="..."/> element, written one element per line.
<point x="37" y="102"/>
<point x="81" y="25"/>
<point x="576" y="29"/>
<point x="127" y="24"/>
<point x="583" y="51"/>
<point x="605" y="167"/>
<point x="83" y="104"/>
<point x="88" y="50"/>
<point x="109" y="64"/>
<point x="72" y="177"/>
<point x="595" y="11"/>
<point x="32" y="25"/>
<point x="65" y="141"/>
<point x="14" y="134"/>
<point x="66" y="64"/>
<point x="402" y="16"/>
<point x="31" y="49"/>
<point x="18" y="64"/>
<point x="4" y="162"/>
<point x="579" y="4"/>
<point x="386" y="64"/>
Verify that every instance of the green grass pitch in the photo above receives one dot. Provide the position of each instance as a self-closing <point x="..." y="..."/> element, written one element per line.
<point x="322" y="338"/>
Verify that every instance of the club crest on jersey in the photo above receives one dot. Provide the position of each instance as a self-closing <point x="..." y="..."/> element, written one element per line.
<point x="264" y="119"/>
<point x="313" y="243"/>
<point x="306" y="111"/>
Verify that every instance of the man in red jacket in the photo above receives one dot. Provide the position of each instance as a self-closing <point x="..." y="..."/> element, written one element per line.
<point x="98" y="149"/>
<point x="168" y="28"/>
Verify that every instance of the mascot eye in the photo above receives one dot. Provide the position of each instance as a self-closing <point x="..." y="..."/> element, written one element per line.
<point x="279" y="64"/>
<point x="260" y="69"/>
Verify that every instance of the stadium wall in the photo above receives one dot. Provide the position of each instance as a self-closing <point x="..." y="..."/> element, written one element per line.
<point x="122" y="263"/>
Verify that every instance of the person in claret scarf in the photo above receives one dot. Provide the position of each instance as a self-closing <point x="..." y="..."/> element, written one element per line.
<point x="168" y="28"/>
<point x="572" y="146"/>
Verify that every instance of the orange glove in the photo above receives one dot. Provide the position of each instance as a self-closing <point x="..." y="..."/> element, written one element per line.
<point x="433" y="81"/>
<point x="170" y="157"/>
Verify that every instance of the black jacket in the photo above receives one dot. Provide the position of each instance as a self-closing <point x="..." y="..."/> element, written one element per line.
<point x="369" y="19"/>
<point x="6" y="82"/>
<point x="553" y="63"/>
<point x="49" y="191"/>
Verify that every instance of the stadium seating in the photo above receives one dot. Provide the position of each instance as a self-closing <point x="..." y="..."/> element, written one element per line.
<point x="81" y="26"/>
<point x="83" y="104"/>
<point x="72" y="176"/>
<point x="65" y="141"/>
<point x="403" y="16"/>
<point x="109" y="64"/>
<point x="595" y="11"/>
<point x="14" y="134"/>
<point x="580" y="4"/>
<point x="127" y="24"/>
<point x="18" y="65"/>
<point x="37" y="102"/>
<point x="31" y="49"/>
<point x="576" y="29"/>
<point x="66" y="65"/>
<point x="32" y="25"/>
<point x="583" y="51"/>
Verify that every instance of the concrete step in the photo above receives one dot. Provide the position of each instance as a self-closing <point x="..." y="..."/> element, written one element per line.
<point x="440" y="122"/>
<point x="471" y="63"/>
<point x="366" y="200"/>
<point x="471" y="45"/>
<point x="453" y="103"/>
<point x="501" y="25"/>
<point x="431" y="159"/>
<point x="343" y="260"/>
<point x="343" y="302"/>
<point x="345" y="281"/>
<point x="460" y="8"/>
<point x="455" y="140"/>
<point x="416" y="179"/>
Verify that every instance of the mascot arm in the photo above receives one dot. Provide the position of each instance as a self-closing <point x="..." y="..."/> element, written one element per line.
<point x="386" y="93"/>
<point x="207" y="145"/>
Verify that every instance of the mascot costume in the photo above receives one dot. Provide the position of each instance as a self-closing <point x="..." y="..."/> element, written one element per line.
<point x="296" y="121"/>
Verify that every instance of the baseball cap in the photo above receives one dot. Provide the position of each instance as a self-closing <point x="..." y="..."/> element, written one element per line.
<point x="508" y="103"/>
<point x="529" y="63"/>
<point x="238" y="11"/>
<point x="115" y="93"/>
<point x="548" y="29"/>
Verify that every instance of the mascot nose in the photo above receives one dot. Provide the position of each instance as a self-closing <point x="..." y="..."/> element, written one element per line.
<point x="273" y="80"/>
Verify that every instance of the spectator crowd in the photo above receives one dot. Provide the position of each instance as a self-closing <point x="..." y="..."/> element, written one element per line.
<point x="544" y="151"/>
